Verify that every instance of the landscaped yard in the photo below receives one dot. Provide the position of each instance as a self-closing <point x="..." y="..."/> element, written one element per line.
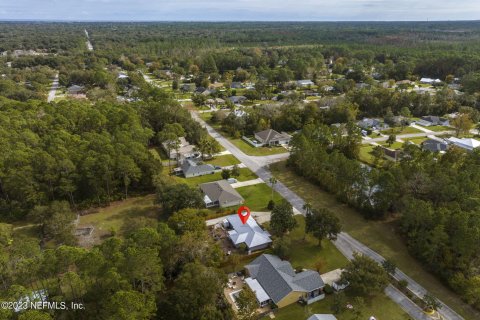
<point x="416" y="140"/>
<point x="381" y="236"/>
<point x="252" y="151"/>
<point x="394" y="146"/>
<point x="245" y="175"/>
<point x="223" y="161"/>
<point x="381" y="307"/>
<point x="257" y="196"/>
<point x="399" y="130"/>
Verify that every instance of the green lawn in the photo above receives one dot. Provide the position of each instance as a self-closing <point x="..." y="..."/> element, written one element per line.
<point x="252" y="151"/>
<point x="366" y="154"/>
<point x="416" y="140"/>
<point x="381" y="307"/>
<point x="381" y="236"/>
<point x="223" y="161"/>
<point x="245" y="175"/>
<point x="394" y="146"/>
<point x="399" y="130"/>
<point x="257" y="196"/>
<point x="438" y="128"/>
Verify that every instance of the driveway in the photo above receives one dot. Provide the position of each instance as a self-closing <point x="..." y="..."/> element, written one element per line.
<point x="53" y="89"/>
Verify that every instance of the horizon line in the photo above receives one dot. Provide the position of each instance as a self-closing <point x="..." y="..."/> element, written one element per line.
<point x="224" y="21"/>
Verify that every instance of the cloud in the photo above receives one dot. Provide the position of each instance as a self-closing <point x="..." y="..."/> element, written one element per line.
<point x="240" y="9"/>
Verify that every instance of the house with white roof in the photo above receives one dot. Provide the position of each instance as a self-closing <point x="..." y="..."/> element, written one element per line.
<point x="305" y="83"/>
<point x="464" y="143"/>
<point x="250" y="233"/>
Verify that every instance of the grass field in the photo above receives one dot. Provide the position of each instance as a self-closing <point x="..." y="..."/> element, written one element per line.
<point x="252" y="151"/>
<point x="399" y="130"/>
<point x="114" y="216"/>
<point x="416" y="140"/>
<point x="366" y="154"/>
<point x="381" y="236"/>
<point x="437" y="128"/>
<point x="223" y="161"/>
<point x="257" y="196"/>
<point x="394" y="146"/>
<point x="245" y="175"/>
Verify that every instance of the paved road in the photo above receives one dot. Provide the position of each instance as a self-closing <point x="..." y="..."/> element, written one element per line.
<point x="89" y="44"/>
<point x="53" y="89"/>
<point x="345" y="243"/>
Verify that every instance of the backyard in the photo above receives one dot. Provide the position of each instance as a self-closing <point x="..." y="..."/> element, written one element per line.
<point x="381" y="236"/>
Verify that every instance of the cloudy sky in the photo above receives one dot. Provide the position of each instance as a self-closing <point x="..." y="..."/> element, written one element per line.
<point x="323" y="10"/>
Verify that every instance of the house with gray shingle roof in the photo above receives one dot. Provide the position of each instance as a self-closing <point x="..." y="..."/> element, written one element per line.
<point x="271" y="137"/>
<point x="191" y="169"/>
<point x="250" y="233"/>
<point x="282" y="284"/>
<point x="220" y="194"/>
<point x="434" y="146"/>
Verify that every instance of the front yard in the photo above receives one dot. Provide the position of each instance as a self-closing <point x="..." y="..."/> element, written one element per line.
<point x="257" y="196"/>
<point x="260" y="151"/>
<point x="223" y="161"/>
<point x="245" y="175"/>
<point x="400" y="130"/>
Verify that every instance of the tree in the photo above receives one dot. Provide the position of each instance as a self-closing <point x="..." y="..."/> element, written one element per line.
<point x="247" y="304"/>
<point x="282" y="220"/>
<point x="175" y="197"/>
<point x="273" y="181"/>
<point x="125" y="305"/>
<point x="208" y="146"/>
<point x="235" y="172"/>
<point x="56" y="221"/>
<point x="188" y="220"/>
<point x="389" y="266"/>
<point x="366" y="277"/>
<point x="322" y="224"/>
<point x="431" y="302"/>
<point x="377" y="153"/>
<point x="391" y="140"/>
<point x="462" y="124"/>
<point x="225" y="174"/>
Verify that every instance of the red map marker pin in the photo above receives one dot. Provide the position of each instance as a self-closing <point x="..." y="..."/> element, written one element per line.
<point x="243" y="213"/>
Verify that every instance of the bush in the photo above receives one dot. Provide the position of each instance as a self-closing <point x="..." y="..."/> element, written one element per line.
<point x="271" y="205"/>
<point x="403" y="284"/>
<point x="328" y="289"/>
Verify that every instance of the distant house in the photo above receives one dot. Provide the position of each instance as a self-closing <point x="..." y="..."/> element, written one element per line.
<point x="273" y="279"/>
<point x="404" y="82"/>
<point x="236" y="85"/>
<point x="362" y="85"/>
<point x="75" y="90"/>
<point x="391" y="154"/>
<point x="250" y="233"/>
<point x="434" y="146"/>
<point x="122" y="75"/>
<point x="200" y="90"/>
<point x="430" y="81"/>
<point x="428" y="121"/>
<point x="271" y="137"/>
<point x="184" y="151"/>
<point x="191" y="169"/>
<point x="374" y="124"/>
<point x="239" y="113"/>
<point x="464" y="143"/>
<point x="188" y="87"/>
<point x="322" y="317"/>
<point x="220" y="194"/>
<point x="237" y="99"/>
<point x="208" y="92"/>
<point x="305" y="83"/>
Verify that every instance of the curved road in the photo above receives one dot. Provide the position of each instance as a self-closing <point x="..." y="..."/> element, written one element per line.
<point x="345" y="243"/>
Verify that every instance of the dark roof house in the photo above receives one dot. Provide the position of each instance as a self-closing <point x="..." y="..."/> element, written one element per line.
<point x="191" y="168"/>
<point x="271" y="137"/>
<point x="282" y="284"/>
<point x="434" y="145"/>
<point x="220" y="194"/>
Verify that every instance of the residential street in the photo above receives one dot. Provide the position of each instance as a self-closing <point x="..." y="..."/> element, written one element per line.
<point x="345" y="243"/>
<point x="53" y="89"/>
<point x="409" y="135"/>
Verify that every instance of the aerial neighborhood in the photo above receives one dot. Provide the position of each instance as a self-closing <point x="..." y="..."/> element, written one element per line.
<point x="257" y="170"/>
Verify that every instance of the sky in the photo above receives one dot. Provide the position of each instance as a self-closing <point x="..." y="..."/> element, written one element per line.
<point x="240" y="10"/>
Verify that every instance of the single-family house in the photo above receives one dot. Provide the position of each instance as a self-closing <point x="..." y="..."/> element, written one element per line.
<point x="323" y="316"/>
<point x="239" y="113"/>
<point x="236" y="85"/>
<point x="237" y="99"/>
<point x="208" y="92"/>
<point x="220" y="194"/>
<point x="434" y="146"/>
<point x="392" y="154"/>
<point x="430" y="81"/>
<point x="374" y="124"/>
<point x="305" y="83"/>
<point x="192" y="168"/>
<point x="428" y="121"/>
<point x="464" y="143"/>
<point x="188" y="87"/>
<point x="281" y="284"/>
<point x="76" y="90"/>
<point x="184" y="151"/>
<point x="271" y="137"/>
<point x="250" y="233"/>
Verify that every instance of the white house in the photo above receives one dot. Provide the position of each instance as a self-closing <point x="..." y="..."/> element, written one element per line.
<point x="464" y="143"/>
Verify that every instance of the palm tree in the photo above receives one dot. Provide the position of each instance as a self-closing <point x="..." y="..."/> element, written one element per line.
<point x="273" y="181"/>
